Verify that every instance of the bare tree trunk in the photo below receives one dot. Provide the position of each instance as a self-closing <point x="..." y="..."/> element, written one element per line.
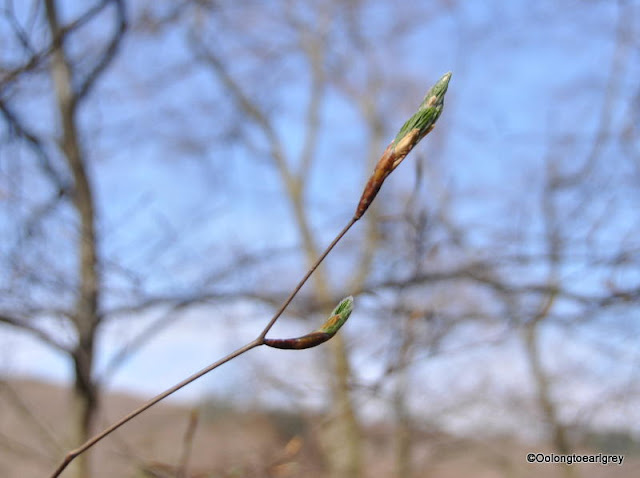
<point x="341" y="436"/>
<point x="402" y="423"/>
<point x="85" y="314"/>
<point x="558" y="434"/>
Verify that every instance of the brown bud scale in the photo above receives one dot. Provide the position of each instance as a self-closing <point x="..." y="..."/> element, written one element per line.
<point x="305" y="342"/>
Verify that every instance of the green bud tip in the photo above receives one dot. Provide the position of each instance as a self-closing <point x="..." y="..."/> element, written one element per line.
<point x="428" y="112"/>
<point x="338" y="316"/>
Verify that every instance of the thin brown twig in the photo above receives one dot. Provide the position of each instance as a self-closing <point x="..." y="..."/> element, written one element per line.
<point x="84" y="447"/>
<point x="245" y="348"/>
<point x="416" y="127"/>
<point x="306" y="276"/>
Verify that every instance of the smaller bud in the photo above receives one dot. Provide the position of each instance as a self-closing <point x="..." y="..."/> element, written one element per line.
<point x="338" y="317"/>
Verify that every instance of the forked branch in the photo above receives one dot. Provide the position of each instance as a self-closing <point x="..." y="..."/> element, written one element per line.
<point x="414" y="129"/>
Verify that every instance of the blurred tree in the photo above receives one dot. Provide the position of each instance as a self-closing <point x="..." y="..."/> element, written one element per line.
<point x="511" y="250"/>
<point x="65" y="180"/>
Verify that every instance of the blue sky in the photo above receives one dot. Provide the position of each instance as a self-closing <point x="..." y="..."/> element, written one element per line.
<point x="523" y="73"/>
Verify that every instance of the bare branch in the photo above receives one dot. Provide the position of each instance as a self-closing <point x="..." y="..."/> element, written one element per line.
<point x="19" y="32"/>
<point x="36" y="145"/>
<point x="107" y="55"/>
<point x="247" y="105"/>
<point x="619" y="63"/>
<point x="315" y="49"/>
<point x="477" y="273"/>
<point x="39" y="57"/>
<point x="23" y="324"/>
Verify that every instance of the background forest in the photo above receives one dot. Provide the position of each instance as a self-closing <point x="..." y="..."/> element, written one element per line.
<point x="170" y="169"/>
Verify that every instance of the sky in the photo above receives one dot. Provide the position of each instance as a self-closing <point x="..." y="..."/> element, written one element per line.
<point x="523" y="72"/>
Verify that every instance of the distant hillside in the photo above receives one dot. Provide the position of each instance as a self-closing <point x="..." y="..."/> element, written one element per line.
<point x="229" y="443"/>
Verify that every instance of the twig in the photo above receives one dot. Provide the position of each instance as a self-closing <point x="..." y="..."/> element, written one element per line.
<point x="78" y="451"/>
<point x="416" y="128"/>
<point x="187" y="445"/>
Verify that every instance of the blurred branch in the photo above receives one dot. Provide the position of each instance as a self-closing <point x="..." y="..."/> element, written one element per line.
<point x="250" y="107"/>
<point x="108" y="54"/>
<point x="187" y="445"/>
<point x="133" y="346"/>
<point x="293" y="183"/>
<point x="37" y="58"/>
<point x="23" y="324"/>
<point x="36" y="144"/>
<point x="18" y="31"/>
<point x="478" y="272"/>
<point x="618" y="64"/>
<point x="314" y="46"/>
